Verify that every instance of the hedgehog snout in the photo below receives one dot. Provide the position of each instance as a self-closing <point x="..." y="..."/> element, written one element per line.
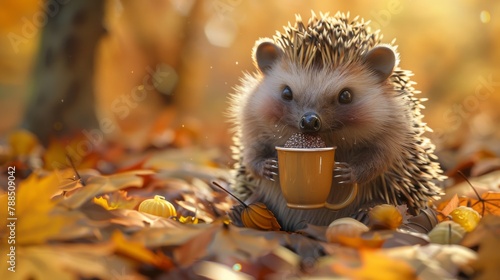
<point x="310" y="122"/>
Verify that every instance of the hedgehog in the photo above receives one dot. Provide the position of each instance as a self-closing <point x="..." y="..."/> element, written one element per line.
<point x="333" y="78"/>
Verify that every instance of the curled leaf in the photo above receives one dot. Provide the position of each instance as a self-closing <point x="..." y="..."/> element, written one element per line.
<point x="257" y="216"/>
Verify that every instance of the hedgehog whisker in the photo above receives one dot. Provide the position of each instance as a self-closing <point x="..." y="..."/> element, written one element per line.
<point x="281" y="127"/>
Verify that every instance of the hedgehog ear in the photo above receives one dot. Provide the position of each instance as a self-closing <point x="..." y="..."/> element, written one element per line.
<point x="381" y="60"/>
<point x="265" y="53"/>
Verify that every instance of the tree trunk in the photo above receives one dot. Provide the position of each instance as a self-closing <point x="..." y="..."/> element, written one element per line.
<point x="62" y="100"/>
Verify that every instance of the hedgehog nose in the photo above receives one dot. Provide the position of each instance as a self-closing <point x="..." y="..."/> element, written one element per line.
<point x="310" y="122"/>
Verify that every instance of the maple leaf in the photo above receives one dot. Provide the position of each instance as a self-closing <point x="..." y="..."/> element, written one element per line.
<point x="376" y="265"/>
<point x="487" y="203"/>
<point x="38" y="217"/>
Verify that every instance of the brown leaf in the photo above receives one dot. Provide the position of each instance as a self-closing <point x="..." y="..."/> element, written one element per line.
<point x="99" y="185"/>
<point x="67" y="262"/>
<point x="487" y="264"/>
<point x="223" y="242"/>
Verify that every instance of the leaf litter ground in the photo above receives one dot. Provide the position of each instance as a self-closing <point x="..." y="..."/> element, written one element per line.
<point x="82" y="222"/>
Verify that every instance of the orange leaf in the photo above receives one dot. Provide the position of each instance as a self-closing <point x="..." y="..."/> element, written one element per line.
<point x="445" y="208"/>
<point x="376" y="241"/>
<point x="81" y="151"/>
<point x="38" y="217"/>
<point x="376" y="265"/>
<point x="487" y="204"/>
<point x="136" y="250"/>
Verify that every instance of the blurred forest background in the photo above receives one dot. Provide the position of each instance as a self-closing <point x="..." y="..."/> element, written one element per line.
<point x="193" y="53"/>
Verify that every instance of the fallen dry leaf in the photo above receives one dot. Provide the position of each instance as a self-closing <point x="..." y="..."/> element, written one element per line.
<point x="222" y="242"/>
<point x="376" y="265"/>
<point x="137" y="251"/>
<point x="38" y="218"/>
<point x="99" y="185"/>
<point x="67" y="262"/>
<point x="488" y="259"/>
<point x="445" y="210"/>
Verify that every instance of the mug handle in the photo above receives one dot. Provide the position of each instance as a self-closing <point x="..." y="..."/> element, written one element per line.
<point x="343" y="204"/>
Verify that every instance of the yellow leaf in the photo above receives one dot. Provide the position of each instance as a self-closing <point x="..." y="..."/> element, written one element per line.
<point x="135" y="250"/>
<point x="22" y="142"/>
<point x="103" y="202"/>
<point x="117" y="200"/>
<point x="37" y="216"/>
<point x="188" y="220"/>
<point x="68" y="261"/>
<point x="375" y="265"/>
<point x="78" y="148"/>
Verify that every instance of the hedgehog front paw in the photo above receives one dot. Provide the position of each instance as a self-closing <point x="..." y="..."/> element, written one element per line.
<point x="344" y="172"/>
<point x="270" y="169"/>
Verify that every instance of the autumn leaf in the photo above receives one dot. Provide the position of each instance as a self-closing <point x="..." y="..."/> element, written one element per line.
<point x="375" y="241"/>
<point x="68" y="262"/>
<point x="433" y="261"/>
<point x="222" y="242"/>
<point x="77" y="149"/>
<point x="38" y="217"/>
<point x="134" y="220"/>
<point x="445" y="208"/>
<point x="487" y="204"/>
<point x="376" y="265"/>
<point x="171" y="233"/>
<point x="117" y="200"/>
<point x="103" y="202"/>
<point x="22" y="142"/>
<point x="486" y="266"/>
<point x="137" y="251"/>
<point x="99" y="185"/>
<point x="188" y="220"/>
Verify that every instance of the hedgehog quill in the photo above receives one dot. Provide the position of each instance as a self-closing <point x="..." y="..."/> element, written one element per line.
<point x="333" y="78"/>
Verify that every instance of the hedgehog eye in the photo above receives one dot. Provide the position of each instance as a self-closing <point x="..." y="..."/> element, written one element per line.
<point x="345" y="96"/>
<point x="287" y="94"/>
